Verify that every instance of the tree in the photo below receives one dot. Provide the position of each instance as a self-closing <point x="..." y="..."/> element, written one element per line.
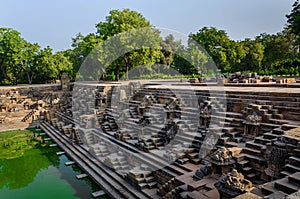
<point x="277" y="48"/>
<point x="82" y="46"/>
<point x="294" y="21"/>
<point x="140" y="29"/>
<point x="50" y="66"/>
<point x="254" y="54"/>
<point x="197" y="57"/>
<point x="12" y="47"/>
<point x="169" y="48"/>
<point x="29" y="62"/>
<point x="224" y="52"/>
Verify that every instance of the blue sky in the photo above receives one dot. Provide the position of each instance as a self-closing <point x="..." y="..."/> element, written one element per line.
<point x="55" y="22"/>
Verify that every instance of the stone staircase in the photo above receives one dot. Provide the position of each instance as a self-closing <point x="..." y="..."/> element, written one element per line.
<point x="289" y="184"/>
<point x="141" y="178"/>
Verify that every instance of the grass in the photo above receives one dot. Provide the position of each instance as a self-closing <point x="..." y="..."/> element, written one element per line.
<point x="14" y="144"/>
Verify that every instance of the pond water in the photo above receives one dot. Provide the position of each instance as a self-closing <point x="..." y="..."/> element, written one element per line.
<point x="38" y="173"/>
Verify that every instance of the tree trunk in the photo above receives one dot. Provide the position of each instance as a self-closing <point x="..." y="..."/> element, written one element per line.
<point x="118" y="73"/>
<point x="126" y="59"/>
<point x="29" y="78"/>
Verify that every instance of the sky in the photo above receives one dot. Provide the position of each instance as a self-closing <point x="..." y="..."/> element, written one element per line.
<point x="56" y="22"/>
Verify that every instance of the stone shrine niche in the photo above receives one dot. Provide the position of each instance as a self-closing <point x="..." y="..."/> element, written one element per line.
<point x="221" y="161"/>
<point x="65" y="82"/>
<point x="252" y="125"/>
<point x="142" y="108"/>
<point x="232" y="184"/>
<point x="276" y="160"/>
<point x="205" y="113"/>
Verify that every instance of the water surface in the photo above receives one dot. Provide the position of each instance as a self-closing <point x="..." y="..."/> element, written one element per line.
<point x="29" y="168"/>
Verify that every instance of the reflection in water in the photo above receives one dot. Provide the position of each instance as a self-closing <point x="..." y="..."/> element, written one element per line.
<point x="19" y="172"/>
<point x="31" y="169"/>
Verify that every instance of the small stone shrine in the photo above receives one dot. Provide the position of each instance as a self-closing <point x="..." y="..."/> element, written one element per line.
<point x="232" y="185"/>
<point x="221" y="161"/>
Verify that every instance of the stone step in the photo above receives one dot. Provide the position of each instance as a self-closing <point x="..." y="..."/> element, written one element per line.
<point x="240" y="157"/>
<point x="278" y="121"/>
<point x="269" y="126"/>
<point x="247" y="170"/>
<point x="261" y="140"/>
<point x="243" y="163"/>
<point x="69" y="163"/>
<point x="270" y="136"/>
<point x="286" y="127"/>
<point x="292" y="168"/>
<point x="237" y="139"/>
<point x="269" y="188"/>
<point x="285" y="173"/>
<point x="255" y="146"/>
<point x="294" y="161"/>
<point x="233" y="134"/>
<point x="285" y="186"/>
<point x="295" y="178"/>
<point x="231" y="144"/>
<point x="278" y="131"/>
<point x="278" y="116"/>
<point x="297" y="152"/>
<point x="80" y="176"/>
<point x="252" y="176"/>
<point x="98" y="194"/>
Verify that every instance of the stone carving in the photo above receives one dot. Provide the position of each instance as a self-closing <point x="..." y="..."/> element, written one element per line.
<point x="172" y="104"/>
<point x="146" y="101"/>
<point x="170" y="132"/>
<point x="276" y="160"/>
<point x="253" y="118"/>
<point x="205" y="113"/>
<point x="203" y="171"/>
<point x="65" y="82"/>
<point x="233" y="184"/>
<point x="252" y="125"/>
<point x="222" y="155"/>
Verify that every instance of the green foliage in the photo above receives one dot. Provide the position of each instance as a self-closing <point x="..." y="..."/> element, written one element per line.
<point x="224" y="52"/>
<point x="294" y="19"/>
<point x="254" y="53"/>
<point x="126" y="40"/>
<point x="126" y="50"/>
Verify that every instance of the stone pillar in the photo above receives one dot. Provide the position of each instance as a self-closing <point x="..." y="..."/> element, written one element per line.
<point x="65" y="82"/>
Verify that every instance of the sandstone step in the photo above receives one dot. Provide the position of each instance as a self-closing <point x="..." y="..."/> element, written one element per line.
<point x="240" y="157"/>
<point x="261" y="140"/>
<point x="297" y="152"/>
<point x="285" y="173"/>
<point x="295" y="178"/>
<point x="243" y="163"/>
<point x="251" y="176"/>
<point x="233" y="134"/>
<point x="269" y="188"/>
<point x="278" y="131"/>
<point x="279" y="121"/>
<point x="285" y="186"/>
<point x="255" y="146"/>
<point x="247" y="170"/>
<point x="271" y="136"/>
<point x="231" y="144"/>
<point x="294" y="161"/>
<point x="292" y="168"/>
<point x="237" y="139"/>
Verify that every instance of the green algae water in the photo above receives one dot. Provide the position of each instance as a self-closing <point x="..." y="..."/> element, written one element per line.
<point x="29" y="168"/>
